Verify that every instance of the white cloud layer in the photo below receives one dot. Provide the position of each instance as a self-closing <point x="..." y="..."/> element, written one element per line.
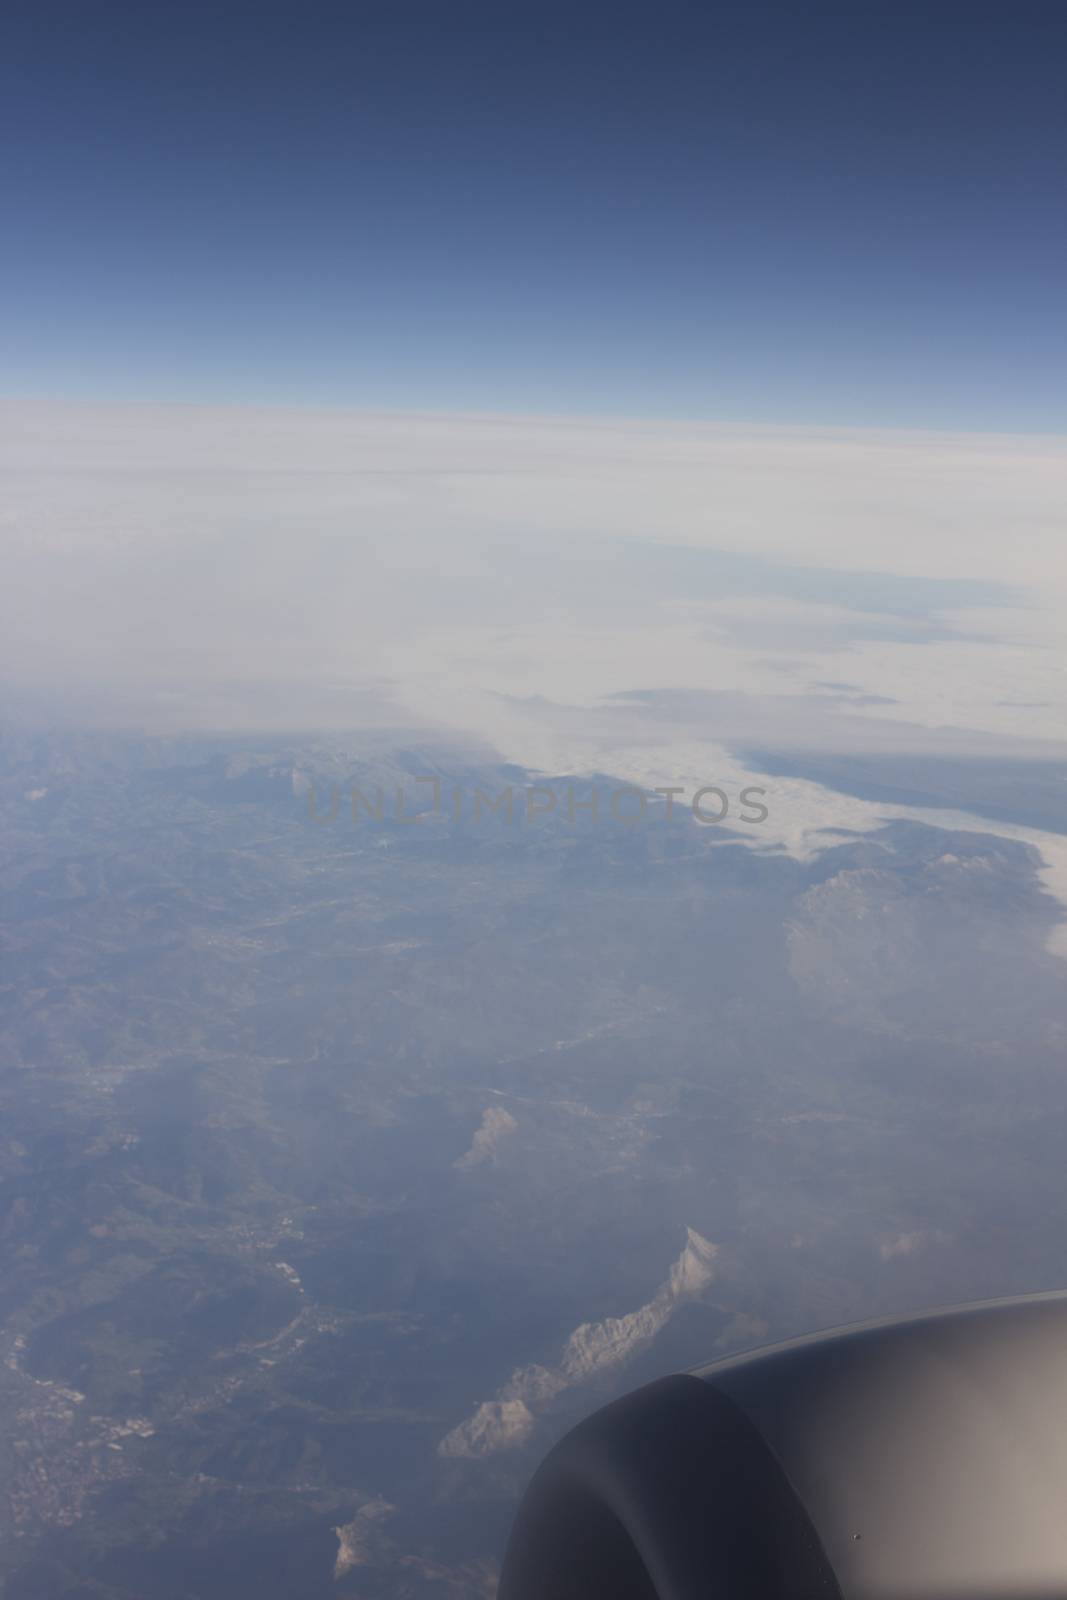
<point x="638" y="598"/>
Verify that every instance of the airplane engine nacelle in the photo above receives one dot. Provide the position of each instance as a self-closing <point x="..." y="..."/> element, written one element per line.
<point x="918" y="1459"/>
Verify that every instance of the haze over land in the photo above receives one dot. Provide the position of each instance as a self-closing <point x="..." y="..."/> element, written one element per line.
<point x="349" y="1158"/>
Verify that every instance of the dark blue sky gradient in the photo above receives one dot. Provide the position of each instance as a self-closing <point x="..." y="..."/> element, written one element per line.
<point x="832" y="213"/>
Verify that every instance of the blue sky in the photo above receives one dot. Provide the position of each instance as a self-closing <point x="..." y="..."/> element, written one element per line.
<point x="815" y="214"/>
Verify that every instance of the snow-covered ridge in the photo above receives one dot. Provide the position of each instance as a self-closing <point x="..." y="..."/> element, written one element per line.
<point x="593" y="1348"/>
